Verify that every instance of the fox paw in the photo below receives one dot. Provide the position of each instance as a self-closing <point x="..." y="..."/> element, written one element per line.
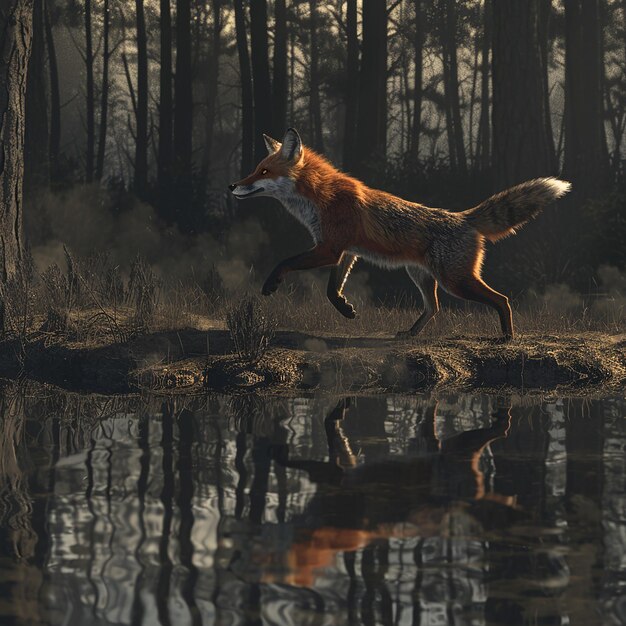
<point x="405" y="334"/>
<point x="271" y="285"/>
<point x="345" y="308"/>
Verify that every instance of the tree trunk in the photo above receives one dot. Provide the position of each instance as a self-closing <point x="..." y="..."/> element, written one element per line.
<point x="372" y="116"/>
<point x="261" y="76"/>
<point x="104" y="94"/>
<point x="183" y="111"/>
<point x="141" y="138"/>
<point x="484" y="127"/>
<point x="36" y="158"/>
<point x="456" y="141"/>
<point x="55" y="100"/>
<point x="586" y="153"/>
<point x="212" y="86"/>
<point x="352" y="86"/>
<point x="15" y="43"/>
<point x="91" y="129"/>
<point x="314" y="83"/>
<point x="418" y="49"/>
<point x="164" y="164"/>
<point x="279" y="85"/>
<point x="521" y="148"/>
<point x="247" y="107"/>
<point x="543" y="25"/>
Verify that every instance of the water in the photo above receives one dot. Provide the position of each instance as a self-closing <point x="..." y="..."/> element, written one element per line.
<point x="325" y="510"/>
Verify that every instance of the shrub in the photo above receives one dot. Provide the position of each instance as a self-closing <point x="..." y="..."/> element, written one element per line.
<point x="251" y="328"/>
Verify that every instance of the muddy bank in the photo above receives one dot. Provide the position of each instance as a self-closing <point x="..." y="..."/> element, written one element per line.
<point x="194" y="361"/>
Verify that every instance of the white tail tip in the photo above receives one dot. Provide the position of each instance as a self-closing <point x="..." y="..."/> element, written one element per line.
<point x="557" y="187"/>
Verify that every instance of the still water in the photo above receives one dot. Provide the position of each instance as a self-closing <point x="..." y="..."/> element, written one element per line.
<point x="415" y="510"/>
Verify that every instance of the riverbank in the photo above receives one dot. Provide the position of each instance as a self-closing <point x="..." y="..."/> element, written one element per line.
<point x="196" y="361"/>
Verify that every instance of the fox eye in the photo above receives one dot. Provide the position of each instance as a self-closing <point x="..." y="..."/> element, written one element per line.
<point x="263" y="172"/>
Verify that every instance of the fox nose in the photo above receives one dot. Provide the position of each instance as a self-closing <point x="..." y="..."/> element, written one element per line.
<point x="232" y="186"/>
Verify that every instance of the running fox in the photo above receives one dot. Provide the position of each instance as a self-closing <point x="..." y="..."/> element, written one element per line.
<point x="348" y="220"/>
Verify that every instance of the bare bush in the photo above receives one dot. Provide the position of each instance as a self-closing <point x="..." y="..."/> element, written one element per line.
<point x="251" y="328"/>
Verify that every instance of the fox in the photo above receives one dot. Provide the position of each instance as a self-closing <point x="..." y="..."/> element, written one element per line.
<point x="348" y="221"/>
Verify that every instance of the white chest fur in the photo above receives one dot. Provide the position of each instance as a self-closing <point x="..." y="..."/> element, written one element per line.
<point x="300" y="207"/>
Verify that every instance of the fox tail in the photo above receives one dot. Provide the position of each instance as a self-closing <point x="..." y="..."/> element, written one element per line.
<point x="503" y="214"/>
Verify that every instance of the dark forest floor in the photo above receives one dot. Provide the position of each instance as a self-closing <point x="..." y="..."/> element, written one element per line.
<point x="196" y="361"/>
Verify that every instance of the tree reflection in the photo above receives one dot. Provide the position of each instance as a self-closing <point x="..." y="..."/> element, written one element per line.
<point x="307" y="510"/>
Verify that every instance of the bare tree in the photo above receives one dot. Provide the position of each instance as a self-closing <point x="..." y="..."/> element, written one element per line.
<point x="104" y="92"/>
<point x="212" y="85"/>
<point x="245" y="73"/>
<point x="371" y="138"/>
<point x="164" y="164"/>
<point x="90" y="97"/>
<point x="279" y="83"/>
<point x="418" y="51"/>
<point x="454" y="124"/>
<point x="141" y="131"/>
<point x="183" y="112"/>
<point x="521" y="148"/>
<point x="352" y="85"/>
<point x="15" y="44"/>
<point x="483" y="149"/>
<point x="55" y="98"/>
<point x="315" y="108"/>
<point x="586" y="154"/>
<point x="36" y="158"/>
<point x="261" y="75"/>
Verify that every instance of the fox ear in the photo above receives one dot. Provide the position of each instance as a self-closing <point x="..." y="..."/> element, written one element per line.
<point x="291" y="149"/>
<point x="271" y="144"/>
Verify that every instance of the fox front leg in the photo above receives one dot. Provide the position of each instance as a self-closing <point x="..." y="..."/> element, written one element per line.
<point x="338" y="277"/>
<point x="319" y="256"/>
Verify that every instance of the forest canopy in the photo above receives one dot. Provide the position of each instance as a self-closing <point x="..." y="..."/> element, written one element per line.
<point x="161" y="103"/>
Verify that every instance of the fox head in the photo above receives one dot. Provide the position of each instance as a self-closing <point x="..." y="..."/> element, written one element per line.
<point x="275" y="175"/>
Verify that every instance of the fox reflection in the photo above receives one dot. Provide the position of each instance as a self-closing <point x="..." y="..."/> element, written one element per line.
<point x="420" y="496"/>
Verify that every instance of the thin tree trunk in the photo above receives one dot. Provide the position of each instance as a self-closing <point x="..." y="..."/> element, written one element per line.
<point x="55" y="100"/>
<point x="261" y="76"/>
<point x="456" y="140"/>
<point x="314" y="84"/>
<point x="586" y="153"/>
<point x="418" y="48"/>
<point x="164" y="165"/>
<point x="279" y="85"/>
<point x="36" y="158"/>
<point x="543" y="25"/>
<point x="473" y="145"/>
<point x="141" y="133"/>
<point x="247" y="107"/>
<point x="90" y="105"/>
<point x="372" y="117"/>
<point x="183" y="112"/>
<point x="104" y="95"/>
<point x="484" y="132"/>
<point x="15" y="44"/>
<point x="520" y="145"/>
<point x="352" y="86"/>
<point x="212" y="86"/>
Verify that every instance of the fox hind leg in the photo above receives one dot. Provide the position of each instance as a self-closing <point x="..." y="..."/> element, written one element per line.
<point x="475" y="288"/>
<point x="428" y="288"/>
<point x="336" y="282"/>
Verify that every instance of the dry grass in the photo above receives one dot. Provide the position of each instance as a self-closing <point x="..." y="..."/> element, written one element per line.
<point x="94" y="300"/>
<point x="317" y="315"/>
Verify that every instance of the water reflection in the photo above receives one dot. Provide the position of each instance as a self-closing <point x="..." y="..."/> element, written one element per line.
<point x="373" y="510"/>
